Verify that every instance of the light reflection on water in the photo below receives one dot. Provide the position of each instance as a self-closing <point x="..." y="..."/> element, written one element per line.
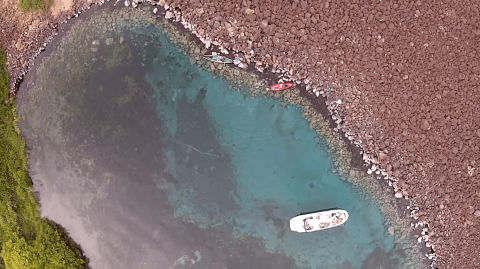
<point x="150" y="163"/>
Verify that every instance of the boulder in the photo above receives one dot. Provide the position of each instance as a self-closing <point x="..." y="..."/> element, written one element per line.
<point x="109" y="41"/>
<point x="169" y="15"/>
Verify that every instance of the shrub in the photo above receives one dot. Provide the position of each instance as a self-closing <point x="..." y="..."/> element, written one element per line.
<point x="26" y="239"/>
<point x="31" y="4"/>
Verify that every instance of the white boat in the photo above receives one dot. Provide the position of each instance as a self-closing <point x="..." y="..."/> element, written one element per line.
<point x="317" y="221"/>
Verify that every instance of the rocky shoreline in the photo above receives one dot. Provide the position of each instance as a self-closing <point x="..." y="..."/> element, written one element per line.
<point x="369" y="89"/>
<point x="406" y="75"/>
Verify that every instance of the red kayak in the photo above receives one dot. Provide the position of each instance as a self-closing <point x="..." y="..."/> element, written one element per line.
<point x="279" y="87"/>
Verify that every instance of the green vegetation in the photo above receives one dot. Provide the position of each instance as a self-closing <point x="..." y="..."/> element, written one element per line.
<point x="32" y="4"/>
<point x="26" y="239"/>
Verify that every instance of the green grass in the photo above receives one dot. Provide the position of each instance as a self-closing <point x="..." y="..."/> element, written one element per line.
<point x="32" y="4"/>
<point x="26" y="239"/>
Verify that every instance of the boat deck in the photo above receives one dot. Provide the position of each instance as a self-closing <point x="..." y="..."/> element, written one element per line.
<point x="318" y="221"/>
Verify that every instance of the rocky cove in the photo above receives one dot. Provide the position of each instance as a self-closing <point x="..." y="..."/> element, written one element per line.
<point x="348" y="100"/>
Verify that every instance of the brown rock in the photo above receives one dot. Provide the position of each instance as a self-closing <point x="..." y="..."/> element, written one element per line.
<point x="19" y="45"/>
<point x="389" y="167"/>
<point x="470" y="210"/>
<point x="301" y="32"/>
<point x="304" y="5"/>
<point x="424" y="125"/>
<point x="249" y="11"/>
<point x="264" y="24"/>
<point x="382" y="156"/>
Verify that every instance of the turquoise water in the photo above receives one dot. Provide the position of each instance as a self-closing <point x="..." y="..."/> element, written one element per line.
<point x="152" y="163"/>
<point x="279" y="171"/>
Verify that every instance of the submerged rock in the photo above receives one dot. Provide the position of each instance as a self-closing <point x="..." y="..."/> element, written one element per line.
<point x="109" y="41"/>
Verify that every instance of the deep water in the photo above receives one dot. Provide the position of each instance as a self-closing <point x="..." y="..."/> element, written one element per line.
<point x="150" y="162"/>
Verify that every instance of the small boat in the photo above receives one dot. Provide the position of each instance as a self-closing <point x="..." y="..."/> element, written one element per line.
<point x="218" y="59"/>
<point x="279" y="87"/>
<point x="317" y="221"/>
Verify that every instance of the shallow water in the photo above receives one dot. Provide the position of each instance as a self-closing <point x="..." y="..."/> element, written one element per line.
<point x="149" y="162"/>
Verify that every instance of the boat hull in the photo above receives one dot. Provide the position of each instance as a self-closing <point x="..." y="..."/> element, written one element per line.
<point x="317" y="221"/>
<point x="218" y="59"/>
<point x="279" y="87"/>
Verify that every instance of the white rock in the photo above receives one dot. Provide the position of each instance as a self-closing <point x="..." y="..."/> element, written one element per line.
<point x="155" y="10"/>
<point x="127" y="3"/>
<point x="134" y="5"/>
<point x="398" y="195"/>
<point x="169" y="15"/>
<point x="109" y="41"/>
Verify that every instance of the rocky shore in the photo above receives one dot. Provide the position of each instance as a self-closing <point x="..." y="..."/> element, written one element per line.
<point x="401" y="78"/>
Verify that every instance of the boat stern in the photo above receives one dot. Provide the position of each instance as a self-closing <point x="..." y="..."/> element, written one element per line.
<point x="296" y="224"/>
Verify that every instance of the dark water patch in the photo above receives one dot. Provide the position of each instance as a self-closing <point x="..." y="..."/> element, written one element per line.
<point x="96" y="155"/>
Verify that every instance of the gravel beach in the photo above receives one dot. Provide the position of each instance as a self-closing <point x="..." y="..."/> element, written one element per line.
<point x="407" y="75"/>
